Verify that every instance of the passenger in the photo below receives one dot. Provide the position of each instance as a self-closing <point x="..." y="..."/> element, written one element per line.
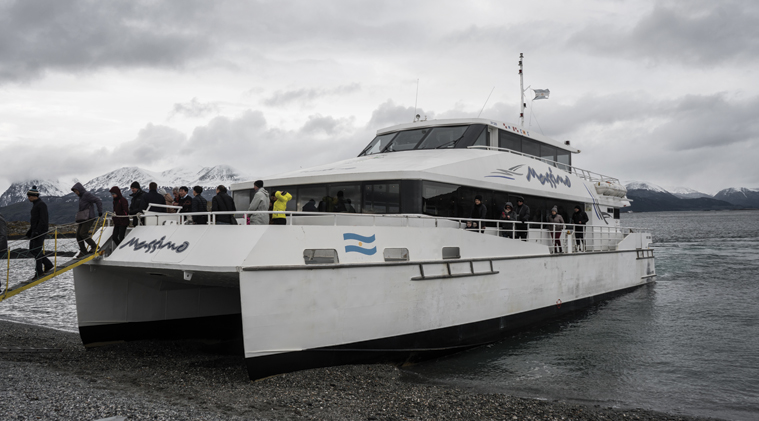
<point x="175" y="196"/>
<point x="580" y="219"/>
<point x="136" y="206"/>
<point x="185" y="201"/>
<point x="327" y="204"/>
<point x="37" y="231"/>
<point x="310" y="206"/>
<point x="340" y="202"/>
<point x="349" y="207"/>
<point x="3" y="237"/>
<point x="556" y="229"/>
<point x="120" y="209"/>
<point x="168" y="200"/>
<point x="509" y="217"/>
<point x="199" y="204"/>
<point x="222" y="202"/>
<point x="280" y="204"/>
<point x="86" y="218"/>
<point x="152" y="197"/>
<point x="260" y="203"/>
<point x="479" y="211"/>
<point x="523" y="215"/>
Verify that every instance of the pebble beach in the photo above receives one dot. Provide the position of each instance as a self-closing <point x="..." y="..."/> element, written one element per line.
<point x="48" y="375"/>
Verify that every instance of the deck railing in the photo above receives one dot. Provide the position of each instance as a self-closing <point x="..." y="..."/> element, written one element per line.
<point x="593" y="237"/>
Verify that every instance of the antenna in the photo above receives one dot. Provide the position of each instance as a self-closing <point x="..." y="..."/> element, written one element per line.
<point x="416" y="117"/>
<point x="521" y="90"/>
<point x="486" y="102"/>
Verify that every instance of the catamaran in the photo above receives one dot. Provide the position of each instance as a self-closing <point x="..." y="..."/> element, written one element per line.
<point x="385" y="269"/>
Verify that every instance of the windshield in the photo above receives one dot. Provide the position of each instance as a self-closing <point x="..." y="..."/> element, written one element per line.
<point x="427" y="138"/>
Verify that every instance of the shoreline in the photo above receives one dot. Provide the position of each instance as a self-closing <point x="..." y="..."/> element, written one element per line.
<point x="171" y="380"/>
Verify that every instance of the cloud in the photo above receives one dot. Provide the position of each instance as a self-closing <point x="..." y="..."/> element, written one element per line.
<point x="390" y="114"/>
<point x="304" y="96"/>
<point x="703" y="33"/>
<point x="70" y="35"/>
<point x="194" y="109"/>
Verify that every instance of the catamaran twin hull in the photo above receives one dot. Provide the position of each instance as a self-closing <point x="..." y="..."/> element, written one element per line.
<point x="389" y="289"/>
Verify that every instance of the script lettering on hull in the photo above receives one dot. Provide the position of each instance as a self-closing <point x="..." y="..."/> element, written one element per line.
<point x="154" y="245"/>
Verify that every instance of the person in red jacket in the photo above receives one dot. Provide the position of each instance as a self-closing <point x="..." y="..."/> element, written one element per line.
<point x="120" y="219"/>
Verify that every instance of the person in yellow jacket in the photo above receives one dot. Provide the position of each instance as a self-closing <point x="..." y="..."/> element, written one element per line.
<point x="282" y="197"/>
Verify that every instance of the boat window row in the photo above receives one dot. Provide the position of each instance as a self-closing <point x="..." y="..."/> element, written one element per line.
<point x="465" y="136"/>
<point x="408" y="197"/>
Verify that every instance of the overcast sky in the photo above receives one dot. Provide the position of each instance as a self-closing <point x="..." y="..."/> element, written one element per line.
<point x="661" y="91"/>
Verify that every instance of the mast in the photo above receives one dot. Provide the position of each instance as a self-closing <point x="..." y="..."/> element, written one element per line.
<point x="521" y="91"/>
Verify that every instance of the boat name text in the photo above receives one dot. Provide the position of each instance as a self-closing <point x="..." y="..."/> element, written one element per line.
<point x="154" y="245"/>
<point x="552" y="179"/>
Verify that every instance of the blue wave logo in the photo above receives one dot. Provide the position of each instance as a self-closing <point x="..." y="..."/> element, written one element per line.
<point x="361" y="240"/>
<point x="507" y="174"/>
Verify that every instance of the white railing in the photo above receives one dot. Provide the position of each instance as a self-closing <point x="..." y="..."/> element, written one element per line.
<point x="584" y="174"/>
<point x="594" y="238"/>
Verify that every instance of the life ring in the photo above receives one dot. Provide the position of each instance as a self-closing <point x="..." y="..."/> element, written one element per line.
<point x="558" y="303"/>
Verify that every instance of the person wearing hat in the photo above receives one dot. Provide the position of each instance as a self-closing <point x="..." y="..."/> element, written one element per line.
<point x="523" y="215"/>
<point x="479" y="212"/>
<point x="37" y="231"/>
<point x="120" y="219"/>
<point x="556" y="229"/>
<point x="152" y="197"/>
<point x="135" y="205"/>
<point x="580" y="219"/>
<point x="85" y="217"/>
<point x="509" y="217"/>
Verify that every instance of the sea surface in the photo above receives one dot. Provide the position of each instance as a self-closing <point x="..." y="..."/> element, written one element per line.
<point x="687" y="344"/>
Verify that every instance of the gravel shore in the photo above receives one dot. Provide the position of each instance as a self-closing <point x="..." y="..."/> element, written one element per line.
<point x="195" y="381"/>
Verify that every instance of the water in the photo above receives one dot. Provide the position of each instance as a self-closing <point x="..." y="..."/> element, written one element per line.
<point x="688" y="344"/>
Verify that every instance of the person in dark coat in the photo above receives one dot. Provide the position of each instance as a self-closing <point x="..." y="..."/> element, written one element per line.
<point x="120" y="211"/>
<point x="479" y="211"/>
<point x="3" y="237"/>
<point x="580" y="219"/>
<point x="222" y="202"/>
<point x="185" y="200"/>
<point x="37" y="232"/>
<point x="152" y="197"/>
<point x="199" y="204"/>
<point x="523" y="215"/>
<point x="509" y="217"/>
<point x="135" y="205"/>
<point x="310" y="206"/>
<point x="86" y="218"/>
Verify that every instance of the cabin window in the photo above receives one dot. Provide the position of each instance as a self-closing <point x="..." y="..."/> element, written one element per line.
<point x="508" y="140"/>
<point x="320" y="256"/>
<point x="346" y="197"/>
<point x="378" y="144"/>
<point x="396" y="254"/>
<point x="382" y="198"/>
<point x="564" y="159"/>
<point x="443" y="137"/>
<point x="451" y="253"/>
<point x="548" y="154"/>
<point x="306" y="193"/>
<point x="530" y="147"/>
<point x="482" y="139"/>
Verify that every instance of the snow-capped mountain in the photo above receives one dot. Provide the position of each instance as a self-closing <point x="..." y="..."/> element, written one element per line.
<point x="740" y="196"/>
<point x="686" y="193"/>
<point x="17" y="191"/>
<point x="644" y="185"/>
<point x="206" y="177"/>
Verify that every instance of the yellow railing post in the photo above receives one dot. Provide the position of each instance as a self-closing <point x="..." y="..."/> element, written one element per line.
<point x="55" y="256"/>
<point x="105" y="218"/>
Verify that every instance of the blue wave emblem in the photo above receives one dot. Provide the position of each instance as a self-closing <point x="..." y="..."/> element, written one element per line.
<point x="507" y="174"/>
<point x="361" y="239"/>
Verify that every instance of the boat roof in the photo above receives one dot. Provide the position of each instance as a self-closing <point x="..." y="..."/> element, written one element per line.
<point x="529" y="133"/>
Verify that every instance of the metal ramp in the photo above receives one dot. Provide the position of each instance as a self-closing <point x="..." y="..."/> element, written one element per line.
<point x="23" y="286"/>
<point x="11" y="290"/>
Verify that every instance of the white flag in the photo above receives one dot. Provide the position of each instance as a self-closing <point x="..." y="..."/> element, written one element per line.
<point x="541" y="93"/>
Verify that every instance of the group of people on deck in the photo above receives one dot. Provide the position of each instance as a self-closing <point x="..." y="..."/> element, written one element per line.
<point x="516" y="220"/>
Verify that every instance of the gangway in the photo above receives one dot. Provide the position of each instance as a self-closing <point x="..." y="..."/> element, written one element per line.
<point x="11" y="290"/>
